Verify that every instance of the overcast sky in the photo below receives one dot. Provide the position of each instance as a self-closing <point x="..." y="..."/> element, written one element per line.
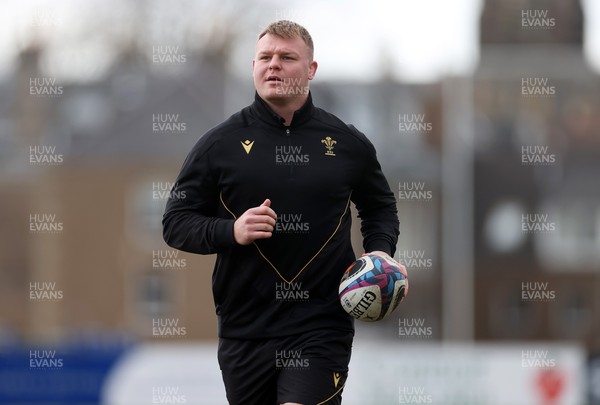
<point x="413" y="40"/>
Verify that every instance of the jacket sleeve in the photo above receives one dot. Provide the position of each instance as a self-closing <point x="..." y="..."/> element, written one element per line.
<point x="376" y="205"/>
<point x="190" y="222"/>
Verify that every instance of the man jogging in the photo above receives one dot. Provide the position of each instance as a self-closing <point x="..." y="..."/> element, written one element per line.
<point x="269" y="191"/>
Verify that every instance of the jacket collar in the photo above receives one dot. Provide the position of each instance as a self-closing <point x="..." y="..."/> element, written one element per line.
<point x="264" y="112"/>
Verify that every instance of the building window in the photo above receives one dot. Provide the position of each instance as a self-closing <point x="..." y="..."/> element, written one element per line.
<point x="574" y="245"/>
<point x="145" y="207"/>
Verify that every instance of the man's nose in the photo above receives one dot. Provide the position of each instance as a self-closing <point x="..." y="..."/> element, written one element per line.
<point x="275" y="63"/>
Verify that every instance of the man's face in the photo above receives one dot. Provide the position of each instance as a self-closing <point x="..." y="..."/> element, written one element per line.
<point x="282" y="68"/>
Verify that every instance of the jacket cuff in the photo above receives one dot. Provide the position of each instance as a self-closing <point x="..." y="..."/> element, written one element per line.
<point x="224" y="233"/>
<point x="380" y="244"/>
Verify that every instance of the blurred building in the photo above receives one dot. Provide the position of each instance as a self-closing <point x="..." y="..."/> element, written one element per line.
<point x="85" y="180"/>
<point x="537" y="218"/>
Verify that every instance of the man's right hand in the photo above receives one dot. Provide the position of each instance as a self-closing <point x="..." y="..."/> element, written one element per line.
<point x="255" y="223"/>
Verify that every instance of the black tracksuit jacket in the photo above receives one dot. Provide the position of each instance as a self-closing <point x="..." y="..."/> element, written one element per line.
<point x="311" y="171"/>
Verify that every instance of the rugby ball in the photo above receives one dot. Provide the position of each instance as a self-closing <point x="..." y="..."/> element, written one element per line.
<point x="372" y="287"/>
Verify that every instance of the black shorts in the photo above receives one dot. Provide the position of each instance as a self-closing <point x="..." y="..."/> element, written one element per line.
<point x="308" y="369"/>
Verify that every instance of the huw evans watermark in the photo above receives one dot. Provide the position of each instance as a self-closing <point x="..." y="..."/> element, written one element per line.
<point x="414" y="328"/>
<point x="168" y="55"/>
<point x="168" y="123"/>
<point x="291" y="359"/>
<point x="536" y="291"/>
<point x="45" y="17"/>
<point x="414" y="191"/>
<point x="285" y="291"/>
<point x="292" y="14"/>
<point x="537" y="19"/>
<point x="536" y="155"/>
<point x="537" y="358"/>
<point x="297" y="14"/>
<point x="291" y="223"/>
<point x="415" y="259"/>
<point x="167" y="394"/>
<point x="414" y="123"/>
<point x="168" y="327"/>
<point x="167" y="259"/>
<point x="44" y="291"/>
<point x="537" y="87"/>
<point x="291" y="87"/>
<point x="537" y="223"/>
<point x="45" y="360"/>
<point x="291" y="155"/>
<point x="163" y="190"/>
<point x="45" y="155"/>
<point x="45" y="87"/>
<point x="41" y="223"/>
<point x="414" y="395"/>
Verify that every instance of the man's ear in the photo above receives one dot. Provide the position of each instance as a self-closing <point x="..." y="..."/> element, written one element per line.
<point x="312" y="69"/>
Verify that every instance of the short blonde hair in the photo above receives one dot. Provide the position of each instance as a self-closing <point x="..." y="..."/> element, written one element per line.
<point x="289" y="29"/>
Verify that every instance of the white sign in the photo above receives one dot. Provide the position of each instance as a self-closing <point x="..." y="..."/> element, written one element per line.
<point x="381" y="373"/>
